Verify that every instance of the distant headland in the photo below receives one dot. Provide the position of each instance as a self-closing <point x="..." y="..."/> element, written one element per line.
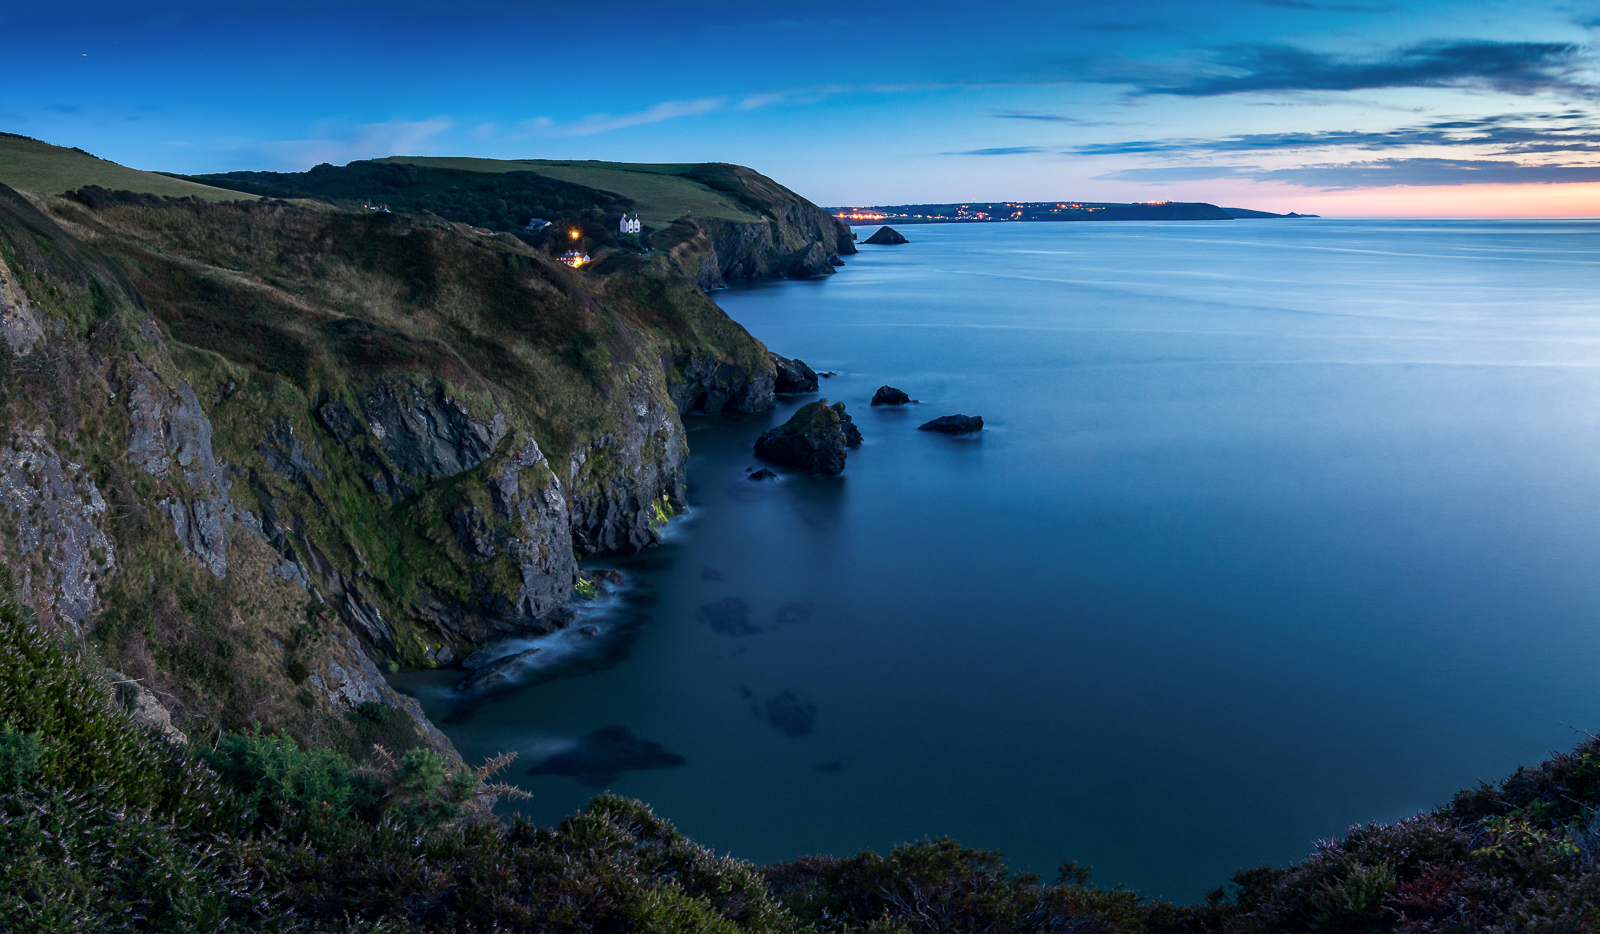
<point x="992" y="211"/>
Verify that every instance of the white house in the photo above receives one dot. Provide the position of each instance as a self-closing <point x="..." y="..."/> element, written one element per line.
<point x="537" y="223"/>
<point x="630" y="224"/>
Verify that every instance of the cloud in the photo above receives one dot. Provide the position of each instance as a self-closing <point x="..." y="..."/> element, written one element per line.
<point x="1498" y="134"/>
<point x="369" y="141"/>
<point x="1379" y="173"/>
<point x="1324" y="7"/>
<point x="666" y="110"/>
<point x="1050" y="118"/>
<point x="1511" y="67"/>
<point x="1000" y="151"/>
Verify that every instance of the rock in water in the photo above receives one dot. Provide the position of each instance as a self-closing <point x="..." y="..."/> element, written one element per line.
<point x="954" y="424"/>
<point x="793" y="375"/>
<point x="813" y="439"/>
<point x="500" y="673"/>
<point x="887" y="236"/>
<point x="599" y="758"/>
<point x="764" y="473"/>
<point x="791" y="714"/>
<point x="852" y="434"/>
<point x="888" y="395"/>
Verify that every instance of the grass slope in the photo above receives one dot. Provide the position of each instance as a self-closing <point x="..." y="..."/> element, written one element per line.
<point x="27" y="164"/>
<point x="662" y="192"/>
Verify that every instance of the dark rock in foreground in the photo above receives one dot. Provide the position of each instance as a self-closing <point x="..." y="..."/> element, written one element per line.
<point x="954" y="424"/>
<point x="887" y="236"/>
<point x="888" y="395"/>
<point x="599" y="758"/>
<point x="793" y="375"/>
<point x="789" y="713"/>
<point x="813" y="439"/>
<point x="764" y="473"/>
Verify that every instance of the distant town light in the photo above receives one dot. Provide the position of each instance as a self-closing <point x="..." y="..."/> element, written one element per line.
<point x="574" y="235"/>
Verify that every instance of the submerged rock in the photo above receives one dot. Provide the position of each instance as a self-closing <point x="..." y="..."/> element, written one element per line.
<point x="813" y="439"/>
<point x="790" y="714"/>
<point x="729" y="616"/>
<point x="496" y="674"/>
<point x="888" y="395"/>
<point x="954" y="424"/>
<point x="600" y="757"/>
<point x="887" y="236"/>
<point x="793" y="375"/>
<point x="764" y="473"/>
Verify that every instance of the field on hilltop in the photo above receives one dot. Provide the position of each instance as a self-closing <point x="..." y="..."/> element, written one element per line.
<point x="27" y="164"/>
<point x="663" y="193"/>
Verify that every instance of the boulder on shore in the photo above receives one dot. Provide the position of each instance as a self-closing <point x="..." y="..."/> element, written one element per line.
<point x="888" y="395"/>
<point x="954" y="424"/>
<point x="887" y="236"/>
<point x="813" y="439"/>
<point x="793" y="375"/>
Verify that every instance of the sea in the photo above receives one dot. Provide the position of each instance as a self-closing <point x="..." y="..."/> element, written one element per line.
<point x="1275" y="527"/>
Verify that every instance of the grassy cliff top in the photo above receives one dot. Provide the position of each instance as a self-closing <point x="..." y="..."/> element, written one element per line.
<point x="662" y="192"/>
<point x="27" y="164"/>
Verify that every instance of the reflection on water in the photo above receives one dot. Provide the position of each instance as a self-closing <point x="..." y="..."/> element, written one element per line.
<point x="1273" y="528"/>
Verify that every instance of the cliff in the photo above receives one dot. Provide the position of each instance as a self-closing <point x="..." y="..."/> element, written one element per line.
<point x="716" y="222"/>
<point x="253" y="450"/>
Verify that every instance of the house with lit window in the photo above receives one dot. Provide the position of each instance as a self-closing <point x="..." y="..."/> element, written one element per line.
<point x="630" y="224"/>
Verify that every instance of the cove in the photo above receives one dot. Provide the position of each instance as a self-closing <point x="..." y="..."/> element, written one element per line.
<point x="1275" y="527"/>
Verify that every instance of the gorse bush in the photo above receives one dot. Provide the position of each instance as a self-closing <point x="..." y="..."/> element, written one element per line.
<point x="104" y="827"/>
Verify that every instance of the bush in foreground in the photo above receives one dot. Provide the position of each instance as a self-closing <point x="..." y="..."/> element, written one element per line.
<point x="106" y="828"/>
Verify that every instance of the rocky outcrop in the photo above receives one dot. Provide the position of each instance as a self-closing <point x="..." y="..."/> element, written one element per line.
<point x="55" y="516"/>
<point x="954" y="424"/>
<point x="624" y="485"/>
<point x="813" y="439"/>
<point x="886" y="236"/>
<point x="793" y="376"/>
<point x="21" y="322"/>
<point x="852" y="434"/>
<point x="888" y="395"/>
<point x="170" y="437"/>
<point x="706" y="385"/>
<point x="426" y="433"/>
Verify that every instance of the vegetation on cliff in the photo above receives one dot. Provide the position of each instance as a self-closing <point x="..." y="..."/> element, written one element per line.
<point x="106" y="826"/>
<point x="247" y="444"/>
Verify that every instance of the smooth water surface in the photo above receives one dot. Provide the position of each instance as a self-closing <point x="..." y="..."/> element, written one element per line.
<point x="1277" y="526"/>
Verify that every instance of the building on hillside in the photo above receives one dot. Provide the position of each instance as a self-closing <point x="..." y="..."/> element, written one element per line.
<point x="574" y="258"/>
<point x="630" y="224"/>
<point x="536" y="223"/>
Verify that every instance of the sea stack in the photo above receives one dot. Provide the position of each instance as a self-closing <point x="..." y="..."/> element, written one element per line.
<point x="887" y="236"/>
<point x="813" y="439"/>
<point x="888" y="395"/>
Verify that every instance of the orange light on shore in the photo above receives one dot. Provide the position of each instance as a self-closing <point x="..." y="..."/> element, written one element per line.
<point x="574" y="235"/>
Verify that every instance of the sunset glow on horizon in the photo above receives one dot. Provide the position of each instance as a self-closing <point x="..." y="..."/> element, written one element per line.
<point x="1413" y="108"/>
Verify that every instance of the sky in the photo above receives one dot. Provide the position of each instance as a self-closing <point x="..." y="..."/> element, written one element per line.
<point x="1337" y="107"/>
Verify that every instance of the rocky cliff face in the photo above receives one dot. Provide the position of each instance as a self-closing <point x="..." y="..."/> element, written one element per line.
<point x="297" y="445"/>
<point x="795" y="238"/>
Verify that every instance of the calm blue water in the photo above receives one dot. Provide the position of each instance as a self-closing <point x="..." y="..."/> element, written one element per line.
<point x="1276" y="527"/>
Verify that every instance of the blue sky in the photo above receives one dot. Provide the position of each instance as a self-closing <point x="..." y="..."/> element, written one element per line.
<point x="1279" y="104"/>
